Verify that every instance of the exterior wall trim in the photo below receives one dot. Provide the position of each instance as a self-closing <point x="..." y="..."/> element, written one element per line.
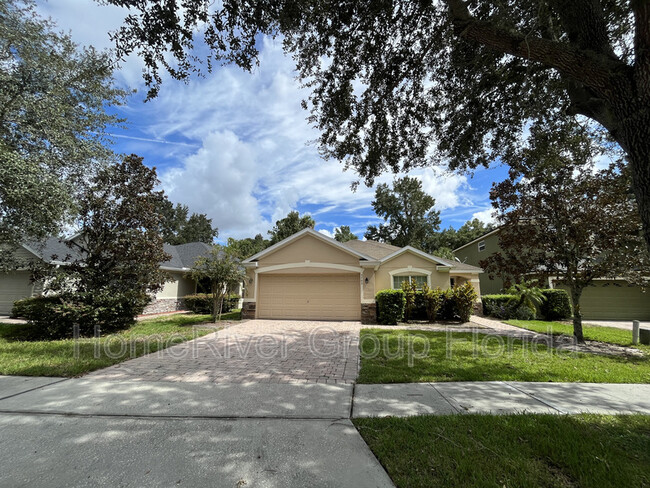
<point x="308" y="264"/>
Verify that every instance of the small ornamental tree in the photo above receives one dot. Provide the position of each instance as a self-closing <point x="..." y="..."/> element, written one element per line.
<point x="222" y="269"/>
<point x="114" y="263"/>
<point x="562" y="217"/>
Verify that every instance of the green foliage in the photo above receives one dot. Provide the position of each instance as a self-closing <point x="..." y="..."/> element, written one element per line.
<point x="444" y="242"/>
<point x="54" y="98"/>
<point x="527" y="295"/>
<point x="176" y="228"/>
<point x="247" y="247"/>
<point x="433" y="300"/>
<point x="464" y="297"/>
<point x="390" y="306"/>
<point x="221" y="268"/>
<point x="344" y="234"/>
<point x="557" y="305"/>
<point x="119" y="249"/>
<point x="289" y="225"/>
<point x="505" y="307"/>
<point x="408" y="211"/>
<point x="410" y="290"/>
<point x="202" y="303"/>
<point x="54" y="317"/>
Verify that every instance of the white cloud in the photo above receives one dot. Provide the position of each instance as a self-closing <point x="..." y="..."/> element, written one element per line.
<point x="217" y="181"/>
<point x="486" y="216"/>
<point x="327" y="233"/>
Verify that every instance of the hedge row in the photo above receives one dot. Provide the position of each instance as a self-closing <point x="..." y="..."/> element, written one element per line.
<point x="202" y="303"/>
<point x="451" y="304"/>
<point x="557" y="306"/>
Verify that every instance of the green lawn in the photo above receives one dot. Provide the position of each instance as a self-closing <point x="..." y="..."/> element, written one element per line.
<point x="469" y="357"/>
<point x="57" y="358"/>
<point x="512" y="450"/>
<point x="611" y="335"/>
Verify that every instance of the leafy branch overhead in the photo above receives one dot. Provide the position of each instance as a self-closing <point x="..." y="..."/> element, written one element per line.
<point x="466" y="79"/>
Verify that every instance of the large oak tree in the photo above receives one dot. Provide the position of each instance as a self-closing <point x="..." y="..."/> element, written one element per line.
<point x="390" y="79"/>
<point x="54" y="97"/>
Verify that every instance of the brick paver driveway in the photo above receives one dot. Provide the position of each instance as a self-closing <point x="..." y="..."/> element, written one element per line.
<point x="262" y="351"/>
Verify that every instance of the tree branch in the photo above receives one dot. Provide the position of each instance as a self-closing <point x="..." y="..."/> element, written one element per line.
<point x="590" y="68"/>
<point x="641" y="9"/>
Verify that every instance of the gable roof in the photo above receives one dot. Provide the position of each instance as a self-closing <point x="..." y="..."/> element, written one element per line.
<point x="373" y="249"/>
<point x="57" y="251"/>
<point x="493" y="231"/>
<point x="311" y="232"/>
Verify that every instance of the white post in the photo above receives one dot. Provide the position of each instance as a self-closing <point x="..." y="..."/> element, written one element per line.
<point x="635" y="332"/>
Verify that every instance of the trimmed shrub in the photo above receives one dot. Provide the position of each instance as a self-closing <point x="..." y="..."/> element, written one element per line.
<point x="433" y="302"/>
<point x="390" y="306"/>
<point x="54" y="316"/>
<point x="504" y="307"/>
<point x="557" y="305"/>
<point x="202" y="303"/>
<point x="496" y="304"/>
<point x="464" y="296"/>
<point x="448" y="309"/>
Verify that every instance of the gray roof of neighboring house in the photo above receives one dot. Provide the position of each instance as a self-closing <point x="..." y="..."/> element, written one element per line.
<point x="57" y="250"/>
<point x="380" y="250"/>
<point x="184" y="255"/>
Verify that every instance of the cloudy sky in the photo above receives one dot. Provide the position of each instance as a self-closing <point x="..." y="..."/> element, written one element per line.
<point x="235" y="145"/>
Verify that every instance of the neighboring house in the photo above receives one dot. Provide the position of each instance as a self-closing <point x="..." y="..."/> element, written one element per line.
<point x="16" y="285"/>
<point x="605" y="299"/>
<point x="311" y="276"/>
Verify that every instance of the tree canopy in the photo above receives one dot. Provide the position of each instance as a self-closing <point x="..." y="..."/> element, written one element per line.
<point x="409" y="213"/>
<point x="119" y="249"/>
<point x="289" y="225"/>
<point x="176" y="228"/>
<point x="53" y="121"/>
<point x="247" y="247"/>
<point x="344" y="234"/>
<point x="468" y="78"/>
<point x="562" y="217"/>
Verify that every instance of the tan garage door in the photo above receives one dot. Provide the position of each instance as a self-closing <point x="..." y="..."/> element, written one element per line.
<point x="13" y="286"/>
<point x="315" y="297"/>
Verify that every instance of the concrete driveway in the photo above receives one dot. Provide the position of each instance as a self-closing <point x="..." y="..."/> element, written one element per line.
<point x="259" y="351"/>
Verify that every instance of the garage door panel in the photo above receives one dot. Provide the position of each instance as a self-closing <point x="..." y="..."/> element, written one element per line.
<point x="13" y="286"/>
<point x="614" y="300"/>
<point x="324" y="297"/>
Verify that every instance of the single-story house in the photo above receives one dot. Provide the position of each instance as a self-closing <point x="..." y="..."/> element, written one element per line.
<point x="605" y="299"/>
<point x="311" y="276"/>
<point x="16" y="285"/>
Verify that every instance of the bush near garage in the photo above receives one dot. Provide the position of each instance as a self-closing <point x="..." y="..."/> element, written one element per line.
<point x="390" y="306"/>
<point x="54" y="316"/>
<point x="557" y="305"/>
<point x="201" y="303"/>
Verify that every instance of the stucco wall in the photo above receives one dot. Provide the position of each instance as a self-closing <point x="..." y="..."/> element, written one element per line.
<point x="383" y="280"/>
<point x="178" y="288"/>
<point x="308" y="248"/>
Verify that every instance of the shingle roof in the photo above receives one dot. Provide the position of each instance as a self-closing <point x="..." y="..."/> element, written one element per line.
<point x="373" y="249"/>
<point x="380" y="250"/>
<point x="53" y="249"/>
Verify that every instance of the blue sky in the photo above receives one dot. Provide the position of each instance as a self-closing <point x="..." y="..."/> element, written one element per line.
<point x="235" y="145"/>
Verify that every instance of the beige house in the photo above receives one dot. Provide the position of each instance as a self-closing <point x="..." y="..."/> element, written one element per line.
<point x="311" y="276"/>
<point x="16" y="285"/>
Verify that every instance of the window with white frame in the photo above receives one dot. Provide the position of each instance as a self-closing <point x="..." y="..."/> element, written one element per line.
<point x="418" y="280"/>
<point x="481" y="246"/>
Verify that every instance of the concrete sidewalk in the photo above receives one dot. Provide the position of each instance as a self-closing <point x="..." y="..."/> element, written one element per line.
<point x="499" y="397"/>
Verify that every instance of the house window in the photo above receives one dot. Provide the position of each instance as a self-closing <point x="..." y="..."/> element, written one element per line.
<point x="481" y="246"/>
<point x="452" y="282"/>
<point x="418" y="280"/>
